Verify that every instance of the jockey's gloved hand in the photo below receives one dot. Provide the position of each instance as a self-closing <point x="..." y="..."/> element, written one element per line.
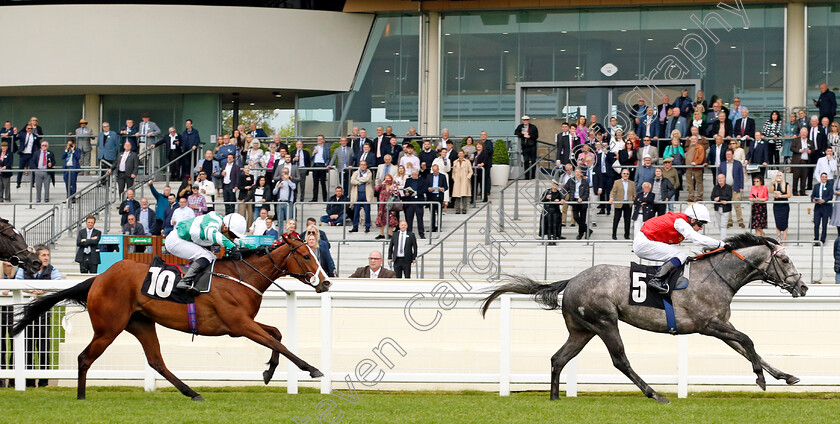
<point x="728" y="247"/>
<point x="234" y="254"/>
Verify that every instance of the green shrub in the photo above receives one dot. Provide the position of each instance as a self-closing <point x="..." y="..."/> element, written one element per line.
<point x="334" y="146"/>
<point x="500" y="153"/>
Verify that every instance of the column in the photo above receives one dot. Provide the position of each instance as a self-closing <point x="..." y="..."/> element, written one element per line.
<point x="795" y="57"/>
<point x="94" y="122"/>
<point x="429" y="116"/>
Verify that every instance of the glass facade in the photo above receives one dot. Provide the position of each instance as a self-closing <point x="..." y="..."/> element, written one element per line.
<point x="823" y="49"/>
<point x="386" y="86"/>
<point x="484" y="55"/>
<point x="166" y="110"/>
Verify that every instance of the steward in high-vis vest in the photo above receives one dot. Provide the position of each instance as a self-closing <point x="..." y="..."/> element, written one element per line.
<point x="657" y="238"/>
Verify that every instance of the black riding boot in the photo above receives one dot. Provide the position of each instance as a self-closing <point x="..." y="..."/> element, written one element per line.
<point x="656" y="281"/>
<point x="188" y="280"/>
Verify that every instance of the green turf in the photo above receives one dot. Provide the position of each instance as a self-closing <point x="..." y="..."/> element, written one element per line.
<point x="273" y="405"/>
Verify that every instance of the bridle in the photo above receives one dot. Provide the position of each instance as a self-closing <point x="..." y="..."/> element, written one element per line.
<point x="13" y="259"/>
<point x="772" y="262"/>
<point x="282" y="268"/>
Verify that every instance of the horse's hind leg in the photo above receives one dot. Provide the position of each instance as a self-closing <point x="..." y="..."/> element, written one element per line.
<point x="144" y="329"/>
<point x="578" y="338"/>
<point x="724" y="330"/>
<point x="776" y="373"/>
<point x="100" y="342"/>
<point x="608" y="332"/>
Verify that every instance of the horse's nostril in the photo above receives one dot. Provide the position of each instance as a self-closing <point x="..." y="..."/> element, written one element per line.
<point x="327" y="283"/>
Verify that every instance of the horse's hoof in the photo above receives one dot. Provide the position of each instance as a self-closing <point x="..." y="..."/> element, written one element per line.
<point x="266" y="377"/>
<point x="316" y="374"/>
<point x="198" y="398"/>
<point x="555" y="397"/>
<point x="792" y="380"/>
<point x="761" y="383"/>
<point x="80" y="398"/>
<point x="661" y="399"/>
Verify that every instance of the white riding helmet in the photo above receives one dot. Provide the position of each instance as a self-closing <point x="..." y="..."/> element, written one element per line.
<point x="698" y="212"/>
<point x="238" y="226"/>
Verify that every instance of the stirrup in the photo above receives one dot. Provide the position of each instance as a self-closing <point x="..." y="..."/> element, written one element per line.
<point x="659" y="285"/>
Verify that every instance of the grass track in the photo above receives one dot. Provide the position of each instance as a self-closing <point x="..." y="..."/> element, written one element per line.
<point x="272" y="405"/>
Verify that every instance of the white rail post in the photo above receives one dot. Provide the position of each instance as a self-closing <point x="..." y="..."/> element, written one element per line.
<point x="682" y="366"/>
<point x="291" y="341"/>
<point x="19" y="348"/>
<point x="571" y="378"/>
<point x="504" y="346"/>
<point x="326" y="343"/>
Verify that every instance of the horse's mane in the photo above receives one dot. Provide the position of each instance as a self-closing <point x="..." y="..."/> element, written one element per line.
<point x="740" y="241"/>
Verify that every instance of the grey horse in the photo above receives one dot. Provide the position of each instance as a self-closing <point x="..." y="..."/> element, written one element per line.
<point x="597" y="298"/>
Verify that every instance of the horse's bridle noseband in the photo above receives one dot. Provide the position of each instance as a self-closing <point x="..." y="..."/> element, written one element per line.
<point x="772" y="262"/>
<point x="13" y="259"/>
<point x="282" y="267"/>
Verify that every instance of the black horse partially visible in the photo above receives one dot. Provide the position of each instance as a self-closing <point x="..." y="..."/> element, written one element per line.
<point x="13" y="248"/>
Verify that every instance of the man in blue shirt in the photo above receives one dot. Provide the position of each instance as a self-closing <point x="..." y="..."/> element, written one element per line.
<point x="437" y="184"/>
<point x="190" y="140"/>
<point x="225" y="149"/>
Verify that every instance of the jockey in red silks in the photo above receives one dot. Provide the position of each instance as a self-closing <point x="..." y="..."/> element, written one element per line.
<point x="656" y="240"/>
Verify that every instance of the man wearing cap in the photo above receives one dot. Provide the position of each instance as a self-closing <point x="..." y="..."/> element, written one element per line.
<point x="644" y="173"/>
<point x="528" y="135"/>
<point x="83" y="138"/>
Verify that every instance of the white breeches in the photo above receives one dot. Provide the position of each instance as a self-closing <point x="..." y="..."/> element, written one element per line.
<point x="655" y="250"/>
<point x="186" y="249"/>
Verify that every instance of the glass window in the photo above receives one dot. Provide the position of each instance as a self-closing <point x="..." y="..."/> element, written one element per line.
<point x="823" y="49"/>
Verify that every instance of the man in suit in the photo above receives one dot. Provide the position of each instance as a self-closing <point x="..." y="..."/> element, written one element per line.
<point x="801" y="148"/>
<point x="126" y="167"/>
<point x="148" y="133"/>
<point x="644" y="204"/>
<point x="744" y="127"/>
<point x="386" y="168"/>
<point x="9" y="134"/>
<point x="361" y="141"/>
<point x="604" y="175"/>
<point x="108" y="142"/>
<point x="819" y="138"/>
<point x="393" y="148"/>
<point x="647" y="149"/>
<point x="528" y="135"/>
<point x="256" y="132"/>
<point x="436" y="184"/>
<point x="190" y="141"/>
<point x="684" y="104"/>
<point x="402" y="251"/>
<point x="565" y="144"/>
<point x="827" y="103"/>
<point x="675" y="122"/>
<point x="379" y="144"/>
<point x="128" y="206"/>
<point x="759" y="153"/>
<point x="174" y="149"/>
<point x="374" y="269"/>
<point x="129" y="133"/>
<point x="87" y="241"/>
<point x="146" y="217"/>
<point x="72" y="158"/>
<point x="662" y="113"/>
<point x="734" y="173"/>
<point x="342" y="161"/>
<point x="648" y="125"/>
<point x="624" y="192"/>
<point x="171" y="206"/>
<point x="801" y="121"/>
<point x="820" y="196"/>
<point x="415" y="191"/>
<point x="578" y="189"/>
<point x="717" y="152"/>
<point x="302" y="159"/>
<point x="83" y="137"/>
<point x="41" y="161"/>
<point x="320" y="159"/>
<point x="26" y="146"/>
<point x="230" y="182"/>
<point x="365" y="155"/>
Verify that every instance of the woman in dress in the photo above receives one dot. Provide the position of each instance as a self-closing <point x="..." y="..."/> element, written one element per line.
<point x="254" y="158"/>
<point x="469" y="148"/>
<point x="781" y="208"/>
<point x="246" y="182"/>
<point x="627" y="158"/>
<point x="759" y="197"/>
<point x="774" y="129"/>
<point x="582" y="129"/>
<point x="386" y="217"/>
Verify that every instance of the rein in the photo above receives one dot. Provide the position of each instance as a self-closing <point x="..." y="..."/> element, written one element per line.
<point x="280" y="269"/>
<point x="773" y="261"/>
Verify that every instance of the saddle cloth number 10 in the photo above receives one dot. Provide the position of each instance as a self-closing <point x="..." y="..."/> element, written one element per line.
<point x="162" y="282"/>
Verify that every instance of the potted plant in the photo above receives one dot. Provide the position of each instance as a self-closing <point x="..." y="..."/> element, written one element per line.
<point x="500" y="172"/>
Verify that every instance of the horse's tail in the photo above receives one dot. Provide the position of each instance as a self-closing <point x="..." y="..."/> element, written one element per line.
<point x="76" y="294"/>
<point x="544" y="294"/>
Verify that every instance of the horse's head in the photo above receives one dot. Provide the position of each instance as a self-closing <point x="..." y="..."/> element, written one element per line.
<point x="13" y="248"/>
<point x="780" y="270"/>
<point x="302" y="263"/>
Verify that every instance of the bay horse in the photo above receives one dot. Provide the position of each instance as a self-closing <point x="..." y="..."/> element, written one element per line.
<point x="115" y="303"/>
<point x="594" y="301"/>
<point x="14" y="250"/>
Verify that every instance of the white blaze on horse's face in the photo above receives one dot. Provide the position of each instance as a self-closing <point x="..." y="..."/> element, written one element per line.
<point x="320" y="274"/>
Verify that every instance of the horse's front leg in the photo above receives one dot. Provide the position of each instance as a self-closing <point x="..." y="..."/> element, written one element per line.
<point x="262" y="334"/>
<point x="275" y="354"/>
<point x="725" y="331"/>
<point x="775" y="372"/>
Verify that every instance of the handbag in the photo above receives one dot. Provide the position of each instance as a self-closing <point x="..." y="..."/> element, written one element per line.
<point x="394" y="204"/>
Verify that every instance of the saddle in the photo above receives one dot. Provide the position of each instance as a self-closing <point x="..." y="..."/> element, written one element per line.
<point x="642" y="295"/>
<point x="162" y="278"/>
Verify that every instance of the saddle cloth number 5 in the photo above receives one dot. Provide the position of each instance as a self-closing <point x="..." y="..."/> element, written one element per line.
<point x="639" y="290"/>
<point x="162" y="283"/>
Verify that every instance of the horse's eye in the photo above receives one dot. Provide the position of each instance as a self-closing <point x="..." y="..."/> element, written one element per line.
<point x="306" y="257"/>
<point x="787" y="261"/>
